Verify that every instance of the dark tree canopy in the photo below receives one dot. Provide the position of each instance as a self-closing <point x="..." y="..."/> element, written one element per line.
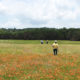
<point x="41" y="34"/>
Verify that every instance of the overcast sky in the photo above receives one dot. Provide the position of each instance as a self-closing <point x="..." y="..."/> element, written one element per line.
<point x="39" y="13"/>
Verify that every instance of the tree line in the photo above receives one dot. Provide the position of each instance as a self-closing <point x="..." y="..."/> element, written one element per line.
<point x="41" y="34"/>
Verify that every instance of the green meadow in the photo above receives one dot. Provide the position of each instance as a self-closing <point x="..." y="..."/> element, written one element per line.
<point x="35" y="47"/>
<point x="31" y="60"/>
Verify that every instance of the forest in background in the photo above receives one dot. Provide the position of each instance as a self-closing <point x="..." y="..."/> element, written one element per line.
<point x="41" y="34"/>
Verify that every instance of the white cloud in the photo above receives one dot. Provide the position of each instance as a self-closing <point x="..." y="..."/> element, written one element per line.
<point x="2" y="9"/>
<point x="75" y="25"/>
<point x="32" y="13"/>
<point x="10" y="25"/>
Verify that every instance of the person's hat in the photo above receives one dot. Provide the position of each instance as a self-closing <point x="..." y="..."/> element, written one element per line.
<point x="55" y="41"/>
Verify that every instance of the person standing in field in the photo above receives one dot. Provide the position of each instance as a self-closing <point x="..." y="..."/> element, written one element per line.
<point x="41" y="41"/>
<point x="46" y="41"/>
<point x="55" y="47"/>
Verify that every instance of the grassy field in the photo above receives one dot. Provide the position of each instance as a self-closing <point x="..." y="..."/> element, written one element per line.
<point x="30" y="60"/>
<point x="38" y="42"/>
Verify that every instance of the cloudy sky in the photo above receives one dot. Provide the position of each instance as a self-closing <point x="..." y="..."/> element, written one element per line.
<point x="39" y="13"/>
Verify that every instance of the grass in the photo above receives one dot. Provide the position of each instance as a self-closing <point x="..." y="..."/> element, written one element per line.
<point x="30" y="60"/>
<point x="38" y="42"/>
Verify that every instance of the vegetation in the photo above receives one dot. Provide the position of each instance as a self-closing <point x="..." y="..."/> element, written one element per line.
<point x="41" y="34"/>
<point x="30" y="60"/>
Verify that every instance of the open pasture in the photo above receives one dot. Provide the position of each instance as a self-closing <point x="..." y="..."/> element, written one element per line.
<point x="30" y="60"/>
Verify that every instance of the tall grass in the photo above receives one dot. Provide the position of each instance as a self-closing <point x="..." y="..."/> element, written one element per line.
<point x="30" y="60"/>
<point x="17" y="47"/>
<point x="38" y="41"/>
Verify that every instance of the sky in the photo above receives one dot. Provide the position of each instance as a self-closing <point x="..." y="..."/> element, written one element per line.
<point x="21" y="14"/>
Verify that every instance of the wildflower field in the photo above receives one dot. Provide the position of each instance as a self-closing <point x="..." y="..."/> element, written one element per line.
<point x="30" y="60"/>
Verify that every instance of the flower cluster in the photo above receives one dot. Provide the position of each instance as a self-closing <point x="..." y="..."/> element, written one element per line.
<point x="39" y="67"/>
